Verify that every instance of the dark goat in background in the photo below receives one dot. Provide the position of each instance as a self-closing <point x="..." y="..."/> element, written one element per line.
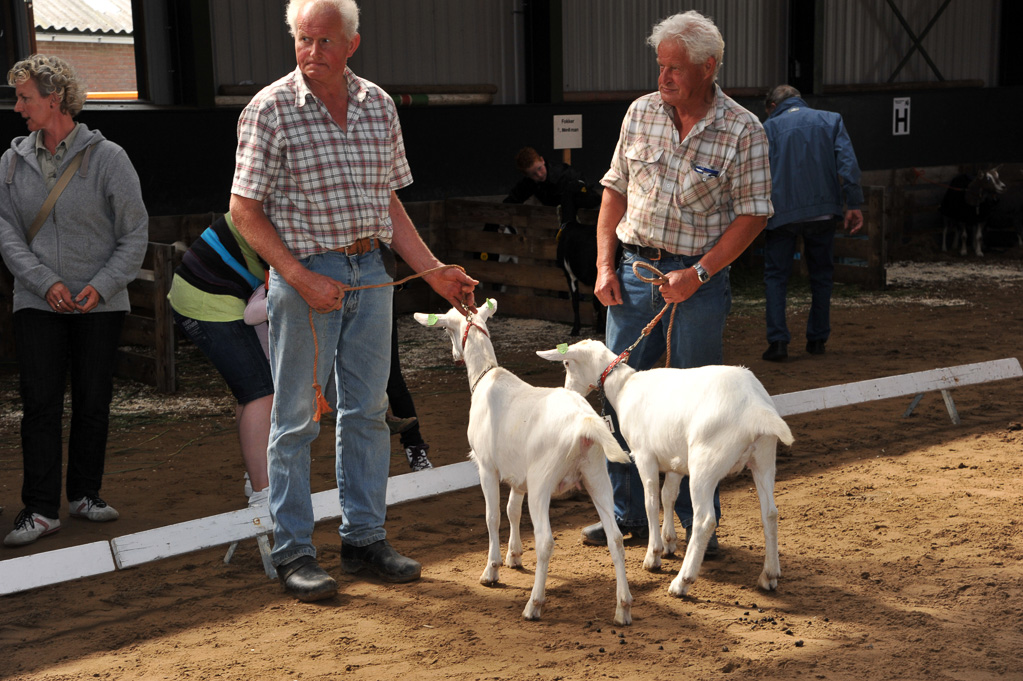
<point x="577" y="258"/>
<point x="965" y="208"/>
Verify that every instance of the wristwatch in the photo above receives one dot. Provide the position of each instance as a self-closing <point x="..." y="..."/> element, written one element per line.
<point x="701" y="273"/>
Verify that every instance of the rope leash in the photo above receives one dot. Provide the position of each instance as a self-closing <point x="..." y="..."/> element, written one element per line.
<point x="658" y="279"/>
<point x="322" y="406"/>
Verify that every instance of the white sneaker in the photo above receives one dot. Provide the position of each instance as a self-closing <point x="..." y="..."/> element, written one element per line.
<point x="260" y="498"/>
<point x="30" y="526"/>
<point x="93" y="508"/>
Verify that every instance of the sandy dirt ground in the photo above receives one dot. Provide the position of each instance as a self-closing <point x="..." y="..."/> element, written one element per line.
<point x="901" y="537"/>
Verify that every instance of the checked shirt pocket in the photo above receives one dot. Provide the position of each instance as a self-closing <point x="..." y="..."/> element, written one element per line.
<point x="701" y="193"/>
<point x="643" y="163"/>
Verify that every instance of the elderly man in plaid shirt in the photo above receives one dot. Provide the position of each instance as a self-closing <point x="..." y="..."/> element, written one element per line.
<point x="688" y="190"/>
<point x="320" y="155"/>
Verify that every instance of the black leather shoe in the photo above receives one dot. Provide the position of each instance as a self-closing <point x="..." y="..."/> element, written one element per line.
<point x="304" y="579"/>
<point x="776" y="351"/>
<point x="713" y="548"/>
<point x="594" y="535"/>
<point x="815" y="347"/>
<point x="381" y="559"/>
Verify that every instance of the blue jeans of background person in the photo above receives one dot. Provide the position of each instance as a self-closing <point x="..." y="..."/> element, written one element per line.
<point x="48" y="344"/>
<point x="354" y="344"/>
<point x="696" y="341"/>
<point x="818" y="249"/>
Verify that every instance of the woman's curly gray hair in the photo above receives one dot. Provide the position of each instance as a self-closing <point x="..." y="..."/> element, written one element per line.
<point x="51" y="75"/>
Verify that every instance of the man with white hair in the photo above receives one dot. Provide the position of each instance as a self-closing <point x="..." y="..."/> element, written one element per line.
<point x="320" y="155"/>
<point x="689" y="188"/>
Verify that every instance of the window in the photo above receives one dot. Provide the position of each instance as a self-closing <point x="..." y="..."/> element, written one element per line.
<point x="96" y="36"/>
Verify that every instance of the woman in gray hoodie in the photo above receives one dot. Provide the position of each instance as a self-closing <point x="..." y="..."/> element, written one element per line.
<point x="71" y="265"/>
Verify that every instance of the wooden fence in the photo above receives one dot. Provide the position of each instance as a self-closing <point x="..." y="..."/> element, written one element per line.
<point x="860" y="258"/>
<point x="519" y="268"/>
<point x="915" y="194"/>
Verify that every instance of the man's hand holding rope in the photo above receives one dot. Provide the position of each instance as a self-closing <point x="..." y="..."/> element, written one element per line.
<point x="454" y="285"/>
<point x="322" y="293"/>
<point x="678" y="285"/>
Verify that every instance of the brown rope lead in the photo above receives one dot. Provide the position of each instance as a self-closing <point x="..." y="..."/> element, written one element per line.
<point x="322" y="406"/>
<point x="658" y="279"/>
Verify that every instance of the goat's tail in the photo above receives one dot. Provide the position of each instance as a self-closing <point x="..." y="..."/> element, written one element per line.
<point x="593" y="431"/>
<point x="770" y="422"/>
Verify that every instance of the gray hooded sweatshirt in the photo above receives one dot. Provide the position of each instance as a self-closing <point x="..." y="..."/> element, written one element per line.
<point x="96" y="234"/>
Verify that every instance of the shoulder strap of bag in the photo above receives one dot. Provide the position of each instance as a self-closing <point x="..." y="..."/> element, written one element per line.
<point x="54" y="194"/>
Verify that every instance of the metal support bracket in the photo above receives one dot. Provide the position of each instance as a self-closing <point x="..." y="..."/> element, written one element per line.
<point x="950" y="405"/>
<point x="264" y="554"/>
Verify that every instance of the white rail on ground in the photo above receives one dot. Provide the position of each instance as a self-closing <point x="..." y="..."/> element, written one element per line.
<point x="51" y="567"/>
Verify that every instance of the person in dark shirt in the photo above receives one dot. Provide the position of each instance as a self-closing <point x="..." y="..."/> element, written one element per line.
<point x="553" y="184"/>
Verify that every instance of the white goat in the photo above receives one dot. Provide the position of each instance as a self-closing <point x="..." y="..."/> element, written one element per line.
<point x="706" y="423"/>
<point x="538" y="440"/>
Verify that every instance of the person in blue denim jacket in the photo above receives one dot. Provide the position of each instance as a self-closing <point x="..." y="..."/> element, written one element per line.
<point x="816" y="188"/>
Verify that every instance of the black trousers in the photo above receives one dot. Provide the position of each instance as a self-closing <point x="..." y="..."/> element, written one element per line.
<point x="48" y="345"/>
<point x="398" y="394"/>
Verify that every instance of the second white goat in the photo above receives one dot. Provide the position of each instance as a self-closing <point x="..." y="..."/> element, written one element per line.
<point x="706" y="423"/>
<point x="539" y="441"/>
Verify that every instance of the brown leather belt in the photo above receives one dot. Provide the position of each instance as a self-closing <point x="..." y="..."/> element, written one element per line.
<point x="648" y="252"/>
<point x="360" y="246"/>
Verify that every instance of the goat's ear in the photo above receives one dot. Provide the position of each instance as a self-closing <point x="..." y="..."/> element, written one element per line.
<point x="428" y="319"/>
<point x="555" y="355"/>
<point x="487" y="309"/>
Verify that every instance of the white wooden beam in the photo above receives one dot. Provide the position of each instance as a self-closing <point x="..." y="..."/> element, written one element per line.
<point x="896" y="386"/>
<point x="193" y="535"/>
<point x="61" y="565"/>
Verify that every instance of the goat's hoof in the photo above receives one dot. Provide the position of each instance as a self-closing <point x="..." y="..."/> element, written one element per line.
<point x="513" y="561"/>
<point x="532" y="611"/>
<point x="652" y="564"/>
<point x="679" y="588"/>
<point x="623" y="616"/>
<point x="767" y="583"/>
<point x="489" y="577"/>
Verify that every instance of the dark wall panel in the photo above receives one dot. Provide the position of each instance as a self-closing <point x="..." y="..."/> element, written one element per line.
<point x="185" y="158"/>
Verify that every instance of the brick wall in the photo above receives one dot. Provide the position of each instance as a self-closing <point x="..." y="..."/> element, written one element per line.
<point x="104" y="67"/>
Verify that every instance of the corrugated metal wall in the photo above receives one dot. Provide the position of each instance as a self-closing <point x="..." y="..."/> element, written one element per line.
<point x="250" y="41"/>
<point x="864" y="41"/>
<point x="407" y="42"/>
<point x="442" y="42"/>
<point x="605" y="42"/>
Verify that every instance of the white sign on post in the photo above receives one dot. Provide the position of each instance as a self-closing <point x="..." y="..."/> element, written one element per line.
<point x="900" y="116"/>
<point x="568" y="131"/>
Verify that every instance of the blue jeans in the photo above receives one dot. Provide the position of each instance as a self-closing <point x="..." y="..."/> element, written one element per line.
<point x="818" y="247"/>
<point x="353" y="343"/>
<point x="696" y="341"/>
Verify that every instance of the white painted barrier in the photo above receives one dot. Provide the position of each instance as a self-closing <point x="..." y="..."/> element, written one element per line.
<point x="42" y="569"/>
<point x="896" y="386"/>
<point x="61" y="565"/>
<point x="52" y="567"/>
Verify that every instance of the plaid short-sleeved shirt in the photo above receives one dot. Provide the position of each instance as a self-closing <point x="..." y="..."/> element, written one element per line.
<point x="682" y="195"/>
<point x="321" y="187"/>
